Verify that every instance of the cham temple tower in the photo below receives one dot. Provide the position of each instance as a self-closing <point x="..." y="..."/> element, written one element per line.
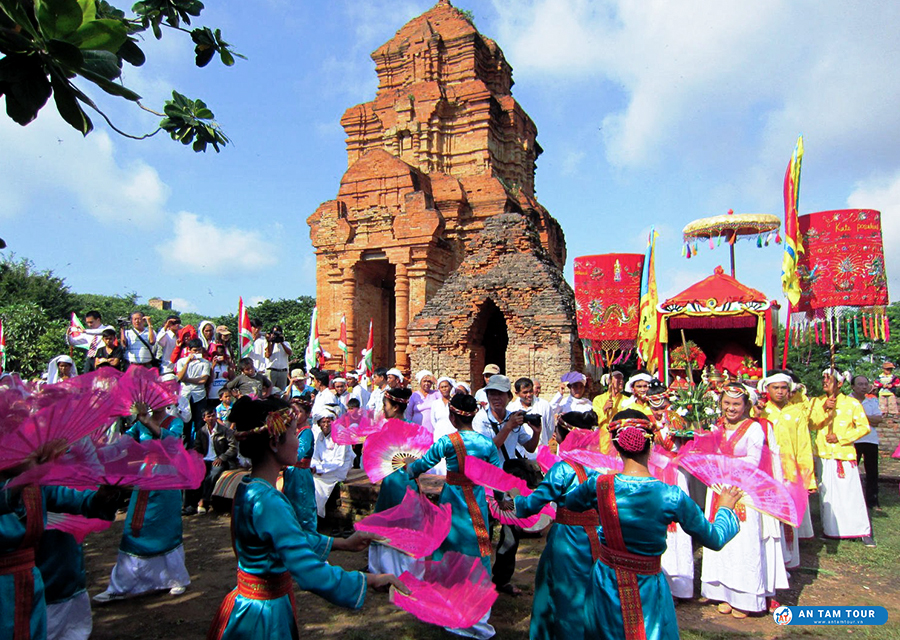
<point x="435" y="234"/>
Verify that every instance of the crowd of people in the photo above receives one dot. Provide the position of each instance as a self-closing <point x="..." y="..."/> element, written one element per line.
<point x="618" y="555"/>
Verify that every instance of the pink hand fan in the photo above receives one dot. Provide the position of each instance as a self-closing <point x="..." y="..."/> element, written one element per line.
<point x="763" y="492"/>
<point x="456" y="592"/>
<point x="546" y="458"/>
<point x="663" y="464"/>
<point x="393" y="446"/>
<point x="151" y="464"/>
<point x="416" y="526"/>
<point x="78" y="526"/>
<point x="487" y="475"/>
<point x="140" y="385"/>
<point x="583" y="446"/>
<point x="53" y="429"/>
<point x="354" y="427"/>
<point x="509" y="517"/>
<point x="104" y="379"/>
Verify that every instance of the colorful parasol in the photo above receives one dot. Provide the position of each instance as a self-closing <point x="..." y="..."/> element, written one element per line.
<point x="607" y="299"/>
<point x="763" y="227"/>
<point x="416" y="526"/>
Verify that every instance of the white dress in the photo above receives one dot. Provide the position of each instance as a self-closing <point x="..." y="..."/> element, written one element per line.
<point x="330" y="464"/>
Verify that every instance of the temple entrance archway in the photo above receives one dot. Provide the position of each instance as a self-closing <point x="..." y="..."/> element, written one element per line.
<point x="489" y="340"/>
<point x="375" y="278"/>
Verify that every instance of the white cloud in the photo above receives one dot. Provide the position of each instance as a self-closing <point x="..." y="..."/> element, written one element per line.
<point x="49" y="157"/>
<point x="255" y="300"/>
<point x="696" y="74"/>
<point x="183" y="305"/>
<point x="883" y="194"/>
<point x="199" y="246"/>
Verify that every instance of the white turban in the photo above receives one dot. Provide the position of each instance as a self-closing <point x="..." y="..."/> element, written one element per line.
<point x="395" y="372"/>
<point x="423" y="373"/>
<point x="837" y="375"/>
<point x="450" y="381"/>
<point x="324" y="412"/>
<point x="774" y="378"/>
<point x="646" y="377"/>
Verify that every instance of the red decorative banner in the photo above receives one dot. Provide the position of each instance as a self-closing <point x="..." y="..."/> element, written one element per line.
<point x="843" y="261"/>
<point x="607" y="296"/>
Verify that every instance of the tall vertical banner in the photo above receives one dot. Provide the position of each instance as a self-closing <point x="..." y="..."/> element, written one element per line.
<point x="649" y="299"/>
<point x="793" y="245"/>
<point x="366" y="366"/>
<point x="342" y="341"/>
<point x="2" y="348"/>
<point x="607" y="299"/>
<point x="245" y="336"/>
<point x="315" y="355"/>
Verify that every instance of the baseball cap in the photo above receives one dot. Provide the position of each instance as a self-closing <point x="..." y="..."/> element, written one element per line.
<point x="498" y="383"/>
<point x="491" y="370"/>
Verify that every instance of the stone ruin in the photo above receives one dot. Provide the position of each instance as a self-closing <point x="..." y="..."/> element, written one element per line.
<point x="436" y="234"/>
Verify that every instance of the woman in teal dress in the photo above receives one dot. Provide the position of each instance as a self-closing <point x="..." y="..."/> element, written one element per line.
<point x="564" y="570"/>
<point x="635" y="510"/>
<point x="298" y="480"/>
<point x="272" y="549"/>
<point x="469" y="533"/>
<point x="151" y="552"/>
<point x="23" y="514"/>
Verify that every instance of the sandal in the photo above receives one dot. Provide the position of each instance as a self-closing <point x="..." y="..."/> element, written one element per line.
<point x="510" y="590"/>
<point x="737" y="613"/>
<point x="724" y="608"/>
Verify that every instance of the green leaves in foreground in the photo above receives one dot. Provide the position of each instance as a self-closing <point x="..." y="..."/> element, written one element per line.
<point x="192" y="121"/>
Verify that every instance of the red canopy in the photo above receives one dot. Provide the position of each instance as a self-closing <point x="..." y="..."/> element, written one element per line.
<point x="717" y="292"/>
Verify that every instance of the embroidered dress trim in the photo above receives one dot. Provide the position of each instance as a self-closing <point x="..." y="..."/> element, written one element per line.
<point x="481" y="531"/>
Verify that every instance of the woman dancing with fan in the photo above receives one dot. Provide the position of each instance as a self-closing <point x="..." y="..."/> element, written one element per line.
<point x="628" y="596"/>
<point x="742" y="576"/>
<point x="469" y="533"/>
<point x="272" y="550"/>
<point x="573" y="544"/>
<point x="393" y="488"/>
<point x="151" y="553"/>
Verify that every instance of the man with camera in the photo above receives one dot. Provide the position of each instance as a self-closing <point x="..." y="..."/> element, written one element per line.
<point x="538" y="414"/>
<point x="138" y="340"/>
<point x="277" y="353"/>
<point x="167" y="339"/>
<point x="508" y="431"/>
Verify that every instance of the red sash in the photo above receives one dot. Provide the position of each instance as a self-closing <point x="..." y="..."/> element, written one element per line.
<point x="468" y="489"/>
<point x="140" y="511"/>
<point x="587" y="519"/>
<point x="627" y="565"/>
<point x="266" y="587"/>
<point x="303" y="464"/>
<point x="20" y="563"/>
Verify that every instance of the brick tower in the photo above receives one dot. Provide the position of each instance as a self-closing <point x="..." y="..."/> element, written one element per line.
<point x="435" y="233"/>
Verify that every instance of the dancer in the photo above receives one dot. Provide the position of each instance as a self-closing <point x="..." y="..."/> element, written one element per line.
<point x="272" y="549"/>
<point x="469" y="534"/>
<point x="628" y="596"/>
<point x="840" y="421"/>
<point x="573" y="545"/>
<point x="742" y="576"/>
<point x="299" y="486"/>
<point x="151" y="553"/>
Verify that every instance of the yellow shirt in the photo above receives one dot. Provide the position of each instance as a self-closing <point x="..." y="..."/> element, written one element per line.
<point x="850" y="424"/>
<point x="792" y="435"/>
<point x="604" y="418"/>
<point x="632" y="403"/>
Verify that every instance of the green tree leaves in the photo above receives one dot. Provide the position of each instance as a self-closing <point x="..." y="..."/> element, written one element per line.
<point x="191" y="121"/>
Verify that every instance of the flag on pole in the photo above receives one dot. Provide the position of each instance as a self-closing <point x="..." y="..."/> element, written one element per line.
<point x="342" y="341"/>
<point x="76" y="329"/>
<point x="2" y="349"/>
<point x="245" y="336"/>
<point x="646" y="343"/>
<point x="315" y="355"/>
<point x="793" y="245"/>
<point x="366" y="366"/>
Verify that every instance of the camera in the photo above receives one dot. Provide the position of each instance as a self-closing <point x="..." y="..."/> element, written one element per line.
<point x="532" y="419"/>
<point x="275" y="336"/>
<point x="123" y="323"/>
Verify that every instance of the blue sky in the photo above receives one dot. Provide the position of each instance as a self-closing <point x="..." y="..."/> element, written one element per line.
<point x="650" y="112"/>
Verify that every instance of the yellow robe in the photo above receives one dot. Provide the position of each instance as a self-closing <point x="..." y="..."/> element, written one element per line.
<point x="792" y="435"/>
<point x="850" y="424"/>
<point x="603" y="417"/>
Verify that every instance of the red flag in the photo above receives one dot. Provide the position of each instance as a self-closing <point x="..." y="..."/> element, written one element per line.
<point x="245" y="337"/>
<point x="342" y="341"/>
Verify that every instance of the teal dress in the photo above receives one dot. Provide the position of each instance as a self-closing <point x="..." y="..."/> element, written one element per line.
<point x="61" y="560"/>
<point x="268" y="540"/>
<point x="564" y="570"/>
<point x="161" y="531"/>
<point x="298" y="483"/>
<point x="646" y="507"/>
<point x="12" y="532"/>
<point x="462" y="537"/>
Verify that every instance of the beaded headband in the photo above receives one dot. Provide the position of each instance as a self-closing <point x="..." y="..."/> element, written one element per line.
<point x="736" y="391"/>
<point x="460" y="412"/>
<point x="630" y="422"/>
<point x="394" y="398"/>
<point x="276" y="424"/>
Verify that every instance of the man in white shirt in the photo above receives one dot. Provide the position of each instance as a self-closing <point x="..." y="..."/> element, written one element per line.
<point x="867" y="446"/>
<point x="192" y="372"/>
<point x="376" y="398"/>
<point x="325" y="398"/>
<point x="526" y="401"/>
<point x="480" y="394"/>
<point x="576" y="385"/>
<point x="139" y="340"/>
<point x="258" y="355"/>
<point x="278" y="351"/>
<point x="89" y="339"/>
<point x="356" y="390"/>
<point x="330" y="461"/>
<point x="168" y="340"/>
<point x="339" y="386"/>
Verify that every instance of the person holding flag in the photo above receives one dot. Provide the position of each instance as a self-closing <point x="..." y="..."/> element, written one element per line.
<point x="86" y="336"/>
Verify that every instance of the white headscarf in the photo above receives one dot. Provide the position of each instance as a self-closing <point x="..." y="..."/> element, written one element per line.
<point x="202" y="337"/>
<point x="53" y="368"/>
<point x="837" y="375"/>
<point x="646" y="377"/>
<point x="395" y="372"/>
<point x="772" y="379"/>
<point x="464" y="385"/>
